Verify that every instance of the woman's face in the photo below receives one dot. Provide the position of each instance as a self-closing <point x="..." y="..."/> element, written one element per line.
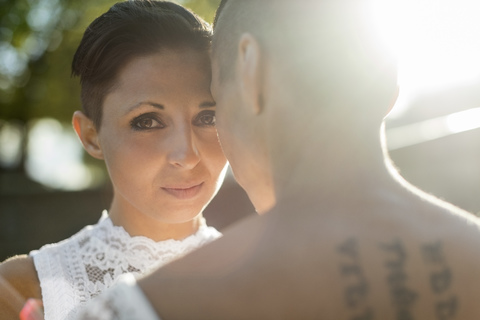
<point x="158" y="136"/>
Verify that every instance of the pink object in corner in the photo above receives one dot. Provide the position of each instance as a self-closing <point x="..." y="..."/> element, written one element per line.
<point x="32" y="310"/>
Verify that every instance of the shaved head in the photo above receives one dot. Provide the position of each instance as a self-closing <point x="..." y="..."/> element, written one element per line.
<point x="323" y="46"/>
<point x="231" y="20"/>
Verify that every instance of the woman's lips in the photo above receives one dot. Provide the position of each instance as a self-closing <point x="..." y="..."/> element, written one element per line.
<point x="184" y="192"/>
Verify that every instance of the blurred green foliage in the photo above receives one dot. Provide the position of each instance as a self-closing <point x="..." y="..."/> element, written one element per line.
<point x="37" y="41"/>
<point x="204" y="8"/>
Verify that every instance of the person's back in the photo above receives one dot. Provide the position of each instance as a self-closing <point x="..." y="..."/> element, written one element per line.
<point x="301" y="93"/>
<point x="389" y="255"/>
<point x="392" y="255"/>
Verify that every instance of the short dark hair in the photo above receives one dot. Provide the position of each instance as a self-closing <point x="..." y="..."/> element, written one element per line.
<point x="128" y="30"/>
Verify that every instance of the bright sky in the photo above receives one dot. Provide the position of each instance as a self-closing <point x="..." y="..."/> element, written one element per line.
<point x="438" y="45"/>
<point x="438" y="41"/>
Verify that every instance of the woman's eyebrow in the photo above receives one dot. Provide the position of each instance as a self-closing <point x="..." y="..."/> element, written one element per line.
<point x="207" y="104"/>
<point x="141" y="103"/>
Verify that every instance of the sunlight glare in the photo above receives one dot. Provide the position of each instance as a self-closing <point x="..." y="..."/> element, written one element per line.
<point x="464" y="120"/>
<point x="437" y="41"/>
<point x="432" y="129"/>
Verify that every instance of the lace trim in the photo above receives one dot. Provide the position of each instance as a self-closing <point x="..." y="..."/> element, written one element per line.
<point x="125" y="301"/>
<point x="78" y="269"/>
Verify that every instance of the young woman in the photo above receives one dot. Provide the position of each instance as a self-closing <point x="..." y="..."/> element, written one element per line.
<point x="148" y="113"/>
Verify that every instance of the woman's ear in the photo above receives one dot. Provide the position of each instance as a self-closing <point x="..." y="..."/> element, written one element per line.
<point x="251" y="71"/>
<point x="87" y="133"/>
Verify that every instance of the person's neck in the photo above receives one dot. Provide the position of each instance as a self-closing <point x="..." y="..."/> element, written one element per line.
<point x="137" y="223"/>
<point x="339" y="163"/>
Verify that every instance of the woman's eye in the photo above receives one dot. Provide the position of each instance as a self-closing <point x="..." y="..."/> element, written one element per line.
<point x="146" y="122"/>
<point x="206" y="118"/>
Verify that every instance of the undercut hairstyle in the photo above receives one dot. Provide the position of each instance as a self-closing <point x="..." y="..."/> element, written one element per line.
<point x="233" y="18"/>
<point x="129" y="30"/>
<point x="322" y="46"/>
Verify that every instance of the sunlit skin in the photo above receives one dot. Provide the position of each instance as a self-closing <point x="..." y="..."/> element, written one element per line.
<point x="159" y="143"/>
<point x="242" y="142"/>
<point x="332" y="189"/>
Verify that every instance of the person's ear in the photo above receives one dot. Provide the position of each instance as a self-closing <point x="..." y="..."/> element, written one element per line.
<point x="86" y="131"/>
<point x="251" y="71"/>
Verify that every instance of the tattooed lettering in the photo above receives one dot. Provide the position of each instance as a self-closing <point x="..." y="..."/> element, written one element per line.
<point x="354" y="294"/>
<point x="356" y="291"/>
<point x="349" y="248"/>
<point x="403" y="297"/>
<point x="446" y="309"/>
<point x="440" y="281"/>
<point x="366" y="315"/>
<point x="432" y="253"/>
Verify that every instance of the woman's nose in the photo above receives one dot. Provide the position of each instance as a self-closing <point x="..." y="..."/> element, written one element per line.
<point x="183" y="149"/>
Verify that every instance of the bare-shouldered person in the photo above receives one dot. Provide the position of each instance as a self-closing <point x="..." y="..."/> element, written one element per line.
<point x="302" y="88"/>
<point x="18" y="282"/>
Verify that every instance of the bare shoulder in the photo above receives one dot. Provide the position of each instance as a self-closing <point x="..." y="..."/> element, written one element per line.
<point x="420" y="259"/>
<point x="19" y="272"/>
<point x="18" y="282"/>
<point x="390" y="262"/>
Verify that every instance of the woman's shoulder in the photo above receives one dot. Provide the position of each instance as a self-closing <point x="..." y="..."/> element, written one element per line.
<point x="18" y="282"/>
<point x="20" y="273"/>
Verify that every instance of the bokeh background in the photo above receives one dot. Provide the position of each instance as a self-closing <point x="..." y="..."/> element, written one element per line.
<point x="49" y="188"/>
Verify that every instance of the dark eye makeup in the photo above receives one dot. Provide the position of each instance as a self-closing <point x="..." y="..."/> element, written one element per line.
<point x="146" y="121"/>
<point x="205" y="118"/>
<point x="151" y="120"/>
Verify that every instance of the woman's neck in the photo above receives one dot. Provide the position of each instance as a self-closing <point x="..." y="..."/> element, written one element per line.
<point x="137" y="223"/>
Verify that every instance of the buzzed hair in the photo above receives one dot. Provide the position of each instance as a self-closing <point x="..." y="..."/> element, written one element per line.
<point x="322" y="46"/>
<point x="231" y="20"/>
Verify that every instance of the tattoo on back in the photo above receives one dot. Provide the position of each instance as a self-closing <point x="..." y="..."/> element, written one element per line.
<point x="441" y="277"/>
<point x="403" y="297"/>
<point x="356" y="291"/>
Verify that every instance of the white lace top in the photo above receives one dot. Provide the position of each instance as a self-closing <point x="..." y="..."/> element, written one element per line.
<point x="77" y="269"/>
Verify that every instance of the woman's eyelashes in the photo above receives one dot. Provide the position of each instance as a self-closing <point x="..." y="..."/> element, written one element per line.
<point x="205" y="119"/>
<point x="151" y="120"/>
<point x="146" y="121"/>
